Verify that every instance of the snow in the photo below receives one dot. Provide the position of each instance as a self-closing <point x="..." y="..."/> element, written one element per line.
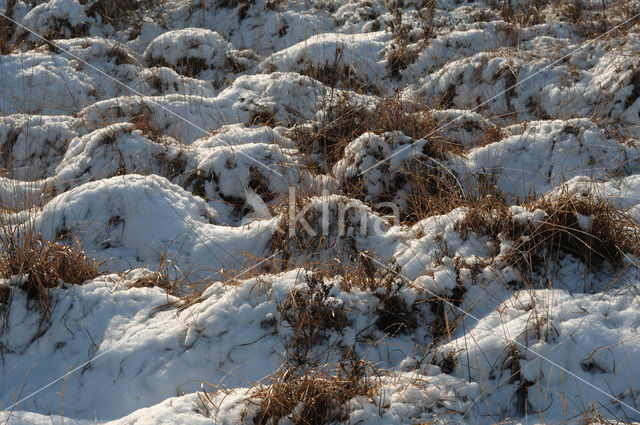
<point x="174" y="138"/>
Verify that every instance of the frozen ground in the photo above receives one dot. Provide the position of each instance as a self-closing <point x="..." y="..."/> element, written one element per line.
<point x="169" y="135"/>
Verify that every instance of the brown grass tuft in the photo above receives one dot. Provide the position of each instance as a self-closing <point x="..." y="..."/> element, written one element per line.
<point x="143" y="122"/>
<point x="160" y="279"/>
<point x="301" y="231"/>
<point x="313" y="396"/>
<point x="394" y="316"/>
<point x="345" y="120"/>
<point x="44" y="264"/>
<point x="324" y="142"/>
<point x="311" y="314"/>
<point x="492" y="134"/>
<point x="527" y="13"/>
<point x="610" y="232"/>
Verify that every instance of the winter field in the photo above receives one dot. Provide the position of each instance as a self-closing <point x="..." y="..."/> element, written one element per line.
<point x="320" y="211"/>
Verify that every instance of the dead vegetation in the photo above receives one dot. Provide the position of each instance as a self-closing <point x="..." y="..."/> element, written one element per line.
<point x="337" y="73"/>
<point x="161" y="278"/>
<point x="143" y="122"/>
<point x="527" y="13"/>
<point x="41" y="265"/>
<point x="187" y="66"/>
<point x="318" y="376"/>
<point x="311" y="225"/>
<point x="7" y="28"/>
<point x="385" y="284"/>
<point x="313" y="396"/>
<point x="344" y="120"/>
<point x="588" y="228"/>
<point x="312" y="315"/>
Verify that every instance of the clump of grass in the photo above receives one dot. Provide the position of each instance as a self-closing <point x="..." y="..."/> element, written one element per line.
<point x="160" y="279"/>
<point x="344" y="120"/>
<point x="143" y="122"/>
<point x="610" y="233"/>
<point x="527" y="13"/>
<point x="311" y="313"/>
<point x="323" y="143"/>
<point x="511" y="362"/>
<point x="310" y="225"/>
<point x="399" y="58"/>
<point x="312" y="396"/>
<point x="7" y="29"/>
<point x="431" y="190"/>
<point x="44" y="264"/>
<point x="586" y="227"/>
<point x="337" y="74"/>
<point x="394" y="316"/>
<point x="592" y="416"/>
<point x="414" y="119"/>
<point x="187" y="66"/>
<point x="492" y="134"/>
<point x="117" y="13"/>
<point x="422" y="186"/>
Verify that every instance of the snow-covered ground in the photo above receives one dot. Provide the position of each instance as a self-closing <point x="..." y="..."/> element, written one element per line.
<point x="187" y="136"/>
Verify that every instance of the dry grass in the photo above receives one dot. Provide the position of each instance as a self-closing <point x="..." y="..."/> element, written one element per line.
<point x="160" y="279"/>
<point x="430" y="188"/>
<point x="399" y="58"/>
<point x="335" y="73"/>
<point x="610" y="234"/>
<point x="385" y="284"/>
<point x="313" y="396"/>
<point x="143" y="122"/>
<point x="345" y="120"/>
<point x="304" y="230"/>
<point x="592" y="416"/>
<point x="323" y="143"/>
<point x="312" y="315"/>
<point x="44" y="264"/>
<point x="511" y="362"/>
<point x="431" y="191"/>
<point x="525" y="13"/>
<point x="117" y="13"/>
<point x="187" y="66"/>
<point x="7" y="28"/>
<point x="492" y="134"/>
